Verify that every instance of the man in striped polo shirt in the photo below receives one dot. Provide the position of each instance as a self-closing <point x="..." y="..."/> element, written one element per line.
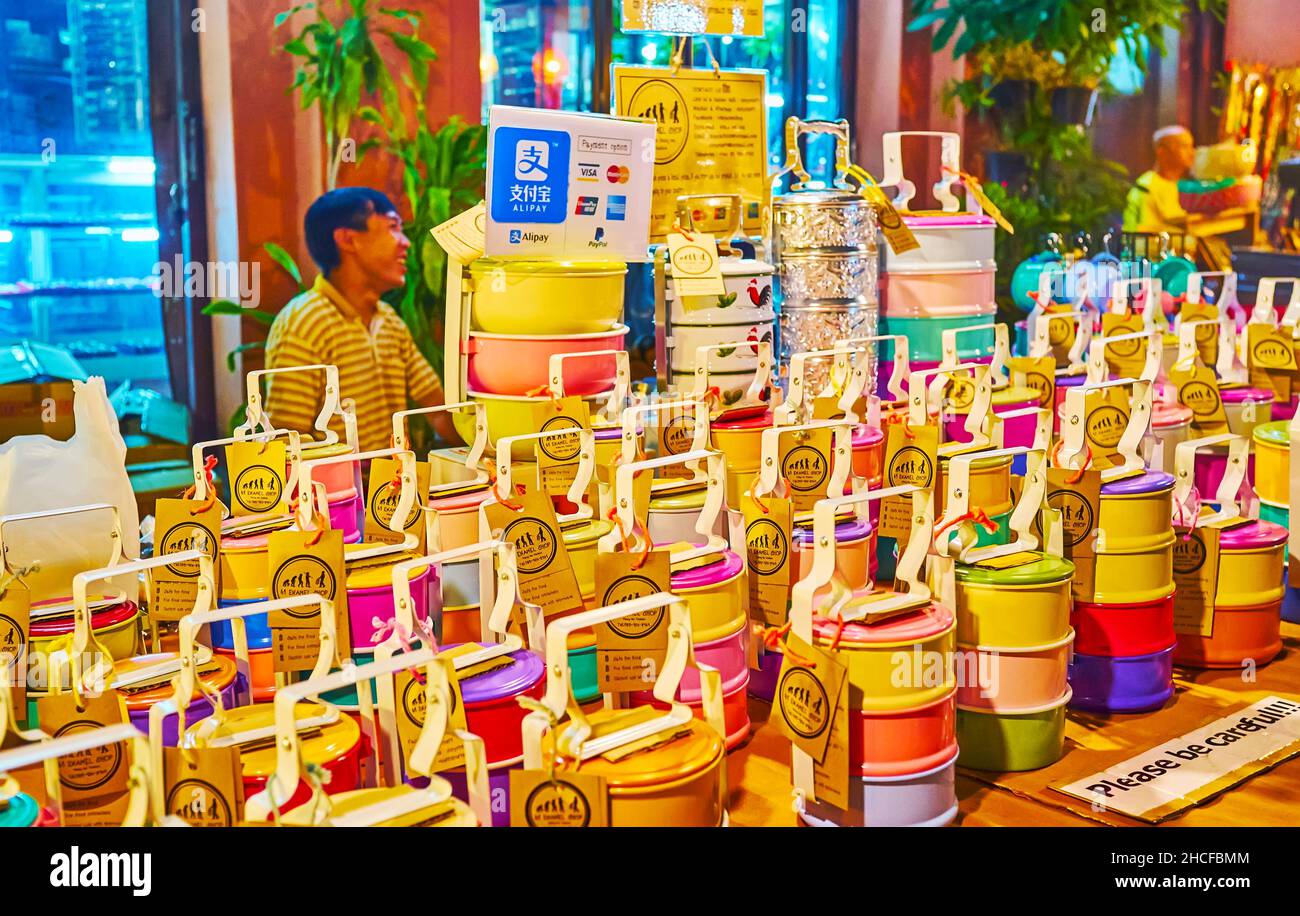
<point x="355" y="237"/>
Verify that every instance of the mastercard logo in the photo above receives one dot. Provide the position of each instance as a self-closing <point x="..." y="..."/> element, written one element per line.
<point x="618" y="174"/>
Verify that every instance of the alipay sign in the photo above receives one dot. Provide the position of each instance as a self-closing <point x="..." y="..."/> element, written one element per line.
<point x="567" y="185"/>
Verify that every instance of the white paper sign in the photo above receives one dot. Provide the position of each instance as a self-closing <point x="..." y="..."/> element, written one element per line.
<point x="1183" y="771"/>
<point x="568" y="185"/>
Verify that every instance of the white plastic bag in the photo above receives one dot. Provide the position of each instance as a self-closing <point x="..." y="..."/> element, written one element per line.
<point x="38" y="474"/>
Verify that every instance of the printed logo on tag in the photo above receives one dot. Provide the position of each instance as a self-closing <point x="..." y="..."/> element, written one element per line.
<point x="258" y="488"/>
<point x="1200" y="396"/>
<point x="768" y="546"/>
<point x="1076" y="515"/>
<point x="557" y="804"/>
<point x="199" y="803"/>
<point x="534" y="545"/>
<point x="805" y="467"/>
<point x="911" y="466"/>
<point x="804" y="703"/>
<point x="1105" y="426"/>
<point x="303" y="575"/>
<point x="91" y="769"/>
<point x="677" y="434"/>
<point x="1189" y="554"/>
<point x="1060" y="331"/>
<point x="561" y="448"/>
<point x="187" y="536"/>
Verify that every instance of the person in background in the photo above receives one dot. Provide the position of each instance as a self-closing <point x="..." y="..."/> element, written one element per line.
<point x="355" y="237"/>
<point x="1152" y="204"/>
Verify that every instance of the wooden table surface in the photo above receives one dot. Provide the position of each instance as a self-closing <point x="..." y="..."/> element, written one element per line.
<point x="760" y="783"/>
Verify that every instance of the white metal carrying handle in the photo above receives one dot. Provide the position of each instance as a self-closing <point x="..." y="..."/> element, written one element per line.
<point x="1266" y="292"/>
<point x="575" y="741"/>
<point x="625" y="508"/>
<point x="902" y="366"/>
<point x="1234" y="474"/>
<point x="290" y="765"/>
<point x="1032" y="501"/>
<point x="1099" y="366"/>
<point x="918" y="407"/>
<point x="198" y="448"/>
<point x="115" y="534"/>
<point x="586" y="465"/>
<point x="256" y="417"/>
<point x="1196" y="284"/>
<point x="1119" y="302"/>
<point x="83" y="634"/>
<point x="841" y="458"/>
<point x="1189" y="354"/>
<point x="1073" y="429"/>
<point x="699" y="434"/>
<point x="1047" y="293"/>
<point x="311" y="499"/>
<point x="853" y="373"/>
<point x="996" y="368"/>
<point x="1040" y="342"/>
<point x="1231" y="364"/>
<point x="499" y="592"/>
<point x="139" y="810"/>
<point x="401" y="439"/>
<point x="1042" y="425"/>
<point x="949" y="160"/>
<point x="910" y="587"/>
<point x="796" y="128"/>
<point x="622" y="378"/>
<point x="762" y="372"/>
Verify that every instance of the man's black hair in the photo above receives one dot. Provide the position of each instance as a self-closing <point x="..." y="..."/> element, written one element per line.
<point x="342" y="208"/>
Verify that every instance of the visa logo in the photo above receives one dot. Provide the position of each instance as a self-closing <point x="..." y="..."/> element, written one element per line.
<point x="588" y="171"/>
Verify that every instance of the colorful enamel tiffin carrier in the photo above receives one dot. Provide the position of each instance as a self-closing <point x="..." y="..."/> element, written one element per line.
<point x="896" y="757"/>
<point x="660" y="767"/>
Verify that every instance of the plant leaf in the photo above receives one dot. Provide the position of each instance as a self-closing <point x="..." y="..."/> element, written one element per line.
<point x="285" y="260"/>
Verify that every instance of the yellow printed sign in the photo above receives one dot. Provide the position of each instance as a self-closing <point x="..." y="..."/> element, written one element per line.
<point x="694" y="17"/>
<point x="710" y="136"/>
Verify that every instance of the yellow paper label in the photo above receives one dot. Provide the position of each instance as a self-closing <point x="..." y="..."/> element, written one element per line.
<point x="1079" y="502"/>
<point x="546" y="575"/>
<point x="806" y="696"/>
<point x="976" y="190"/>
<point x="1196" y="576"/>
<point x="256" y="474"/>
<point x="897" y="234"/>
<point x="558" y="456"/>
<point x="15" y="622"/>
<point x="1060" y="334"/>
<point x="1010" y="561"/>
<point x="299" y="568"/>
<point x="768" y="547"/>
<point x="831" y="775"/>
<point x="204" y="786"/>
<point x="1198" y="389"/>
<point x="1126" y="358"/>
<point x="630" y="651"/>
<point x="1037" y="373"/>
<point x="562" y="799"/>
<point x="1207" y="335"/>
<point x="181" y="525"/>
<point x="710" y="134"/>
<point x="94" y="783"/>
<point x="382" y="496"/>
<point x="676" y="435"/>
<point x="412" y="707"/>
<point x="911" y="459"/>
<point x="1270" y="348"/>
<point x="1106" y="416"/>
<point x="806" y="465"/>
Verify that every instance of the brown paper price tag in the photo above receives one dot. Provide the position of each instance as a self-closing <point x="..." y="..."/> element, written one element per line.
<point x="561" y="799"/>
<point x="630" y="651"/>
<point x="94" y="783"/>
<point x="1106" y="413"/>
<point x="1196" y="577"/>
<point x="15" y="624"/>
<point x="807" y="693"/>
<point x="1269" y="348"/>
<point x="676" y="434"/>
<point x="382" y="495"/>
<point x="204" y="786"/>
<point x="546" y="575"/>
<point x="557" y="457"/>
<point x="976" y="190"/>
<point x="256" y="474"/>
<point x="182" y="524"/>
<point x="1060" y="334"/>
<point x="831" y="776"/>
<point x="1037" y="373"/>
<point x="1207" y="335"/>
<point x="806" y="465"/>
<point x="1198" y="389"/>
<point x="1125" y="357"/>
<point x="412" y="705"/>
<point x="1079" y="502"/>
<point x="298" y="568"/>
<point x="768" y="535"/>
<point x="911" y="459"/>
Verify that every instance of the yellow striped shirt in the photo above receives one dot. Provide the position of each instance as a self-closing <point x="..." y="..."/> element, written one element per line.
<point x="379" y="367"/>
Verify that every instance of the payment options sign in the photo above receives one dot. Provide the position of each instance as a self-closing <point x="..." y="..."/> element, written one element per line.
<point x="566" y="185"/>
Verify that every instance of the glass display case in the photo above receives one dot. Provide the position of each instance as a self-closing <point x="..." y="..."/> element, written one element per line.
<point x="78" y="220"/>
